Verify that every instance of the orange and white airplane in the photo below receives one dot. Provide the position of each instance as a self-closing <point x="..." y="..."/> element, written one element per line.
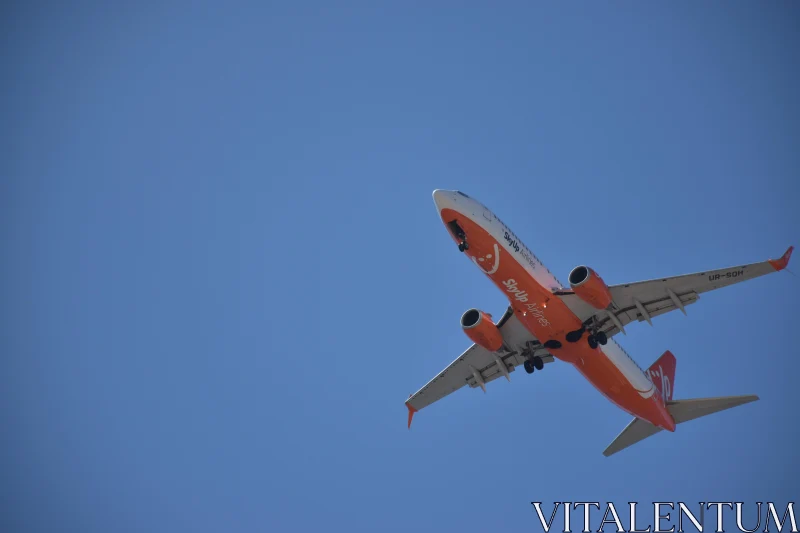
<point x="547" y="321"/>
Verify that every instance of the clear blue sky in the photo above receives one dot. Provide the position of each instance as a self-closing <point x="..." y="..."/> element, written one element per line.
<point x="223" y="272"/>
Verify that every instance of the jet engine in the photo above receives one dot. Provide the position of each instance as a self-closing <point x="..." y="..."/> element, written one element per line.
<point x="590" y="287"/>
<point x="481" y="330"/>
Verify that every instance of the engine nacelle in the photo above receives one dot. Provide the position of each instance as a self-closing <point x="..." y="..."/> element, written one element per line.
<point x="481" y="330"/>
<point x="590" y="287"/>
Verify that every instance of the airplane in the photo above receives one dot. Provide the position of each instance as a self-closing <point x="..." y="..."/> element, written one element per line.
<point x="546" y="321"/>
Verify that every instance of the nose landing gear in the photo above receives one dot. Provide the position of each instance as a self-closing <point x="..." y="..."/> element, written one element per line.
<point x="459" y="234"/>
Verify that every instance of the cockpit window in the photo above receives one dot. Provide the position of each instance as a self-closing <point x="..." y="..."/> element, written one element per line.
<point x="462" y="194"/>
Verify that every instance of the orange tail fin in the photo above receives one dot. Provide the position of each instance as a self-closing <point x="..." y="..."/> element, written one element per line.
<point x="662" y="372"/>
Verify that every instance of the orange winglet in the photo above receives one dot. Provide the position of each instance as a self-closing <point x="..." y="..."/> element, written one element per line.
<point x="411" y="412"/>
<point x="783" y="262"/>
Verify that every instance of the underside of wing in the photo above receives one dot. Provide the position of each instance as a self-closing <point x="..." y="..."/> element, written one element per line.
<point x="645" y="300"/>
<point x="477" y="366"/>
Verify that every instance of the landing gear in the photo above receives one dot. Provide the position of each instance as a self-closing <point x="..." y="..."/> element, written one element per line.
<point x="533" y="364"/>
<point x="598" y="338"/>
<point x="459" y="234"/>
<point x="553" y="344"/>
<point x="601" y="337"/>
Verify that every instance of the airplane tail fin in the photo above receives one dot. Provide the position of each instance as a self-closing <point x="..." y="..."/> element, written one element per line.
<point x="681" y="411"/>
<point x="662" y="372"/>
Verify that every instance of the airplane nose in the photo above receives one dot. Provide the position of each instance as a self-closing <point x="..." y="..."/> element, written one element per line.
<point x="443" y="199"/>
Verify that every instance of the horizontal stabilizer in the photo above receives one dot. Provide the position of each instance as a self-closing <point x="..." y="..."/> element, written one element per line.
<point x="637" y="430"/>
<point x="685" y="410"/>
<point x="681" y="411"/>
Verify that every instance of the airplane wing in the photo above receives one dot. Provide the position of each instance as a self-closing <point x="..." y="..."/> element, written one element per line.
<point x="643" y="300"/>
<point x="477" y="366"/>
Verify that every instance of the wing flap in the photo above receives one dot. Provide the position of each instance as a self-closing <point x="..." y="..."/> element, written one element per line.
<point x="459" y="373"/>
<point x="655" y="296"/>
<point x="626" y="313"/>
<point x="491" y="372"/>
<point x="654" y="308"/>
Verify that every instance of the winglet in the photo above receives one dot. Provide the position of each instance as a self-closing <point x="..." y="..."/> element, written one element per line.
<point x="783" y="262"/>
<point x="411" y="412"/>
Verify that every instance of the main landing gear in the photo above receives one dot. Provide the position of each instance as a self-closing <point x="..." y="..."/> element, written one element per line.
<point x="535" y="363"/>
<point x="532" y="362"/>
<point x="598" y="337"/>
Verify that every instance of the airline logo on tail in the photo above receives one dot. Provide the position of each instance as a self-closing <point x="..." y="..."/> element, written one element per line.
<point x="662" y="374"/>
<point x="662" y="383"/>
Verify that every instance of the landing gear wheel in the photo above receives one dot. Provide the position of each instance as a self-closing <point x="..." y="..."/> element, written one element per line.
<point x="463" y="246"/>
<point x="553" y="344"/>
<point x="538" y="363"/>
<point x="592" y="342"/>
<point x="601" y="337"/>
<point x="529" y="366"/>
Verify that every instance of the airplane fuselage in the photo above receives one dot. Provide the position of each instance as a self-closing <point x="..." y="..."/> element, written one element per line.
<point x="530" y="287"/>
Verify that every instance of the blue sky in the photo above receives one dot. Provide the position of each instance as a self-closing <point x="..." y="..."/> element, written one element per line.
<point x="223" y="272"/>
